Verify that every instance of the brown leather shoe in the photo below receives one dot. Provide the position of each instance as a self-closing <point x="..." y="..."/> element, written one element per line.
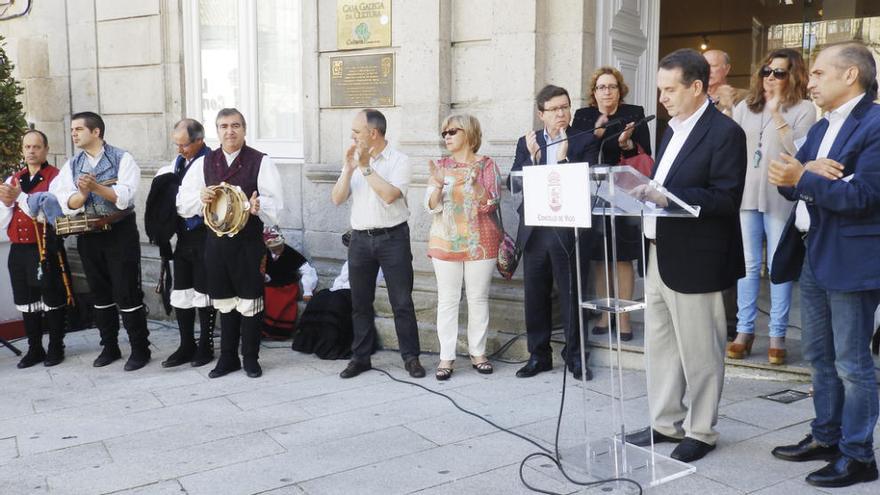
<point x="736" y="350"/>
<point x="414" y="367"/>
<point x="776" y="356"/>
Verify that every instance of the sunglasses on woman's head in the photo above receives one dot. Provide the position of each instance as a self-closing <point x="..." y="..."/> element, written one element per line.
<point x="450" y="132"/>
<point x="777" y="73"/>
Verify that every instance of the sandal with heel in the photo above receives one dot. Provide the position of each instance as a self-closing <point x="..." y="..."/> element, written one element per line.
<point x="483" y="367"/>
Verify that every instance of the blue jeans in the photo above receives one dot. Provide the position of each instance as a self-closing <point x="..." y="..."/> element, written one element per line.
<point x="836" y="335"/>
<point x="755" y="226"/>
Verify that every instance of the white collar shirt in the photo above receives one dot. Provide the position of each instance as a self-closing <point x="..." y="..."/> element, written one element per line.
<point x="368" y="209"/>
<point x="681" y="130"/>
<point x="551" y="149"/>
<point x="835" y="119"/>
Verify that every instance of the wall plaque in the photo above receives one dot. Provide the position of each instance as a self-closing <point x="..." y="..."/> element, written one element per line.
<point x="358" y="81"/>
<point x="363" y="24"/>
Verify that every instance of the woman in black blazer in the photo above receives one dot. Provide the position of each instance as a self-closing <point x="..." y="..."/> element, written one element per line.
<point x="605" y="104"/>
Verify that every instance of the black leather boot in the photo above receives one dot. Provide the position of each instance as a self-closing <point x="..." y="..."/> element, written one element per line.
<point x="250" y="344"/>
<point x="107" y="321"/>
<point x="230" y="329"/>
<point x="135" y="323"/>
<point x="34" y="331"/>
<point x="186" y="321"/>
<point x="57" y="319"/>
<point x="205" y="352"/>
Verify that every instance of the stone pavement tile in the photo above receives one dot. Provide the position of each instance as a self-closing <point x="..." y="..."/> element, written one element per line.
<point x="12" y="483"/>
<point x="103" y="479"/>
<point x="17" y="407"/>
<point x="170" y="487"/>
<point x="335" y="401"/>
<point x="197" y="430"/>
<point x="498" y="390"/>
<point x="284" y="490"/>
<point x="634" y="383"/>
<point x="58" y="462"/>
<point x="451" y="427"/>
<point x="426" y="469"/>
<point x="306" y="463"/>
<point x="358" y="422"/>
<point x="768" y="414"/>
<point x="797" y="486"/>
<point x="294" y="391"/>
<point x="501" y="481"/>
<point x="161" y="465"/>
<point x="8" y="449"/>
<point x="739" y="389"/>
<point x="731" y="431"/>
<point x="693" y="484"/>
<point x="76" y="430"/>
<point x="748" y="465"/>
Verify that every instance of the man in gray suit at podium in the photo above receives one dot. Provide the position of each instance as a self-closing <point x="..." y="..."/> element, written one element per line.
<point x="702" y="161"/>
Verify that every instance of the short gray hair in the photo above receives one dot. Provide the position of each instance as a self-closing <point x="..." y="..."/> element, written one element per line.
<point x="194" y="128"/>
<point x="853" y="53"/>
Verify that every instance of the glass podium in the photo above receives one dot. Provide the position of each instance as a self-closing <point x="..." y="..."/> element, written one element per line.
<point x="617" y="191"/>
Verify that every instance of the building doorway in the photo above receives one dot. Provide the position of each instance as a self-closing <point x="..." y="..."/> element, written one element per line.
<point x="747" y="29"/>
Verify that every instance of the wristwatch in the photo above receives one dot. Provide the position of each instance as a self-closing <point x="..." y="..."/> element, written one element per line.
<point x="366" y="171"/>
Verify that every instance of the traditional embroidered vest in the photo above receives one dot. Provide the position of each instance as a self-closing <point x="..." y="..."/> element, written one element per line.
<point x="242" y="172"/>
<point x="21" y="228"/>
<point x="106" y="169"/>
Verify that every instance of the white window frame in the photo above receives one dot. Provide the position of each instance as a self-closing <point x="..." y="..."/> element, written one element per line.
<point x="248" y="83"/>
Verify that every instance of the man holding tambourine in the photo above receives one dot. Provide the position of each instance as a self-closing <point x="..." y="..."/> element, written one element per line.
<point x="239" y="189"/>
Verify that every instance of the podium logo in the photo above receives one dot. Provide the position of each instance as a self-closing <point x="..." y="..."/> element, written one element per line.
<point x="554" y="190"/>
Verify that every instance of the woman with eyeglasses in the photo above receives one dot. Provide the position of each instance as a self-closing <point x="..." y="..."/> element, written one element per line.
<point x="606" y="108"/>
<point x="774" y="116"/>
<point x="462" y="196"/>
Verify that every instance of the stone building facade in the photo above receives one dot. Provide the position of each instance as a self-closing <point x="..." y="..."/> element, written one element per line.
<point x="133" y="62"/>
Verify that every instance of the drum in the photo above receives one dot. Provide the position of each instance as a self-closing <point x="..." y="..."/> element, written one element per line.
<point x="228" y="213"/>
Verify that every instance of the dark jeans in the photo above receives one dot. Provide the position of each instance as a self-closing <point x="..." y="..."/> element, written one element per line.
<point x="549" y="257"/>
<point x="836" y="339"/>
<point x="366" y="254"/>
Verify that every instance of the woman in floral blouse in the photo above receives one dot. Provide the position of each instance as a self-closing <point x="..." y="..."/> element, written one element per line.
<point x="463" y="196"/>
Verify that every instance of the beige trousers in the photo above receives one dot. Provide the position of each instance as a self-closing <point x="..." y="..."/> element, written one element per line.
<point x="685" y="336"/>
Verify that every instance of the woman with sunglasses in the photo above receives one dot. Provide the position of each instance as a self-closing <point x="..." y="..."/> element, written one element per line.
<point x="605" y="107"/>
<point x="774" y="116"/>
<point x="462" y="196"/>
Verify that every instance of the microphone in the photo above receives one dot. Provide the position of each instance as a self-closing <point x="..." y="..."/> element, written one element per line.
<point x="618" y="133"/>
<point x="569" y="136"/>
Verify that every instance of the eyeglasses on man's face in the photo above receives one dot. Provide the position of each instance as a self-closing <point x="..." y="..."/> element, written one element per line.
<point x="560" y="108"/>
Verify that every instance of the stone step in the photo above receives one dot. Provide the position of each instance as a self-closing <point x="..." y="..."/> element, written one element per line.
<point x="631" y="356"/>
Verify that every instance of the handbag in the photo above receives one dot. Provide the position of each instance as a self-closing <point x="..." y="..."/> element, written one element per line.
<point x="508" y="254"/>
<point x="641" y="162"/>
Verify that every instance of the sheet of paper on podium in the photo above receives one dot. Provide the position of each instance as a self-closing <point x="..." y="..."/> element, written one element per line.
<point x="557" y="195"/>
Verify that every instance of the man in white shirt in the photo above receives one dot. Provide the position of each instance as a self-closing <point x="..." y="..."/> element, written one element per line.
<point x="702" y="161"/>
<point x="235" y="281"/>
<point x="190" y="292"/>
<point x="376" y="177"/>
<point x="101" y="181"/>
<point x="833" y="240"/>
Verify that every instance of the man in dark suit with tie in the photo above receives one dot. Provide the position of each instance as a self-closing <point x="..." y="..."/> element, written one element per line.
<point x="702" y="161"/>
<point x="837" y="221"/>
<point x="548" y="252"/>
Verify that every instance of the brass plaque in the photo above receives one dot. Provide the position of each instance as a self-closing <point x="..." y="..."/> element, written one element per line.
<point x="359" y="81"/>
<point x="363" y="24"/>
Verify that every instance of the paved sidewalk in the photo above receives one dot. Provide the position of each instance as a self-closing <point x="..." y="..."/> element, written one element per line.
<point x="75" y="429"/>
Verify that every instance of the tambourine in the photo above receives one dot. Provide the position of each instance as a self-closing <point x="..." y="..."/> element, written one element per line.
<point x="228" y="212"/>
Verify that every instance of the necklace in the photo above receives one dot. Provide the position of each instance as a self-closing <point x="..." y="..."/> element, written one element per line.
<point x="758" y="153"/>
